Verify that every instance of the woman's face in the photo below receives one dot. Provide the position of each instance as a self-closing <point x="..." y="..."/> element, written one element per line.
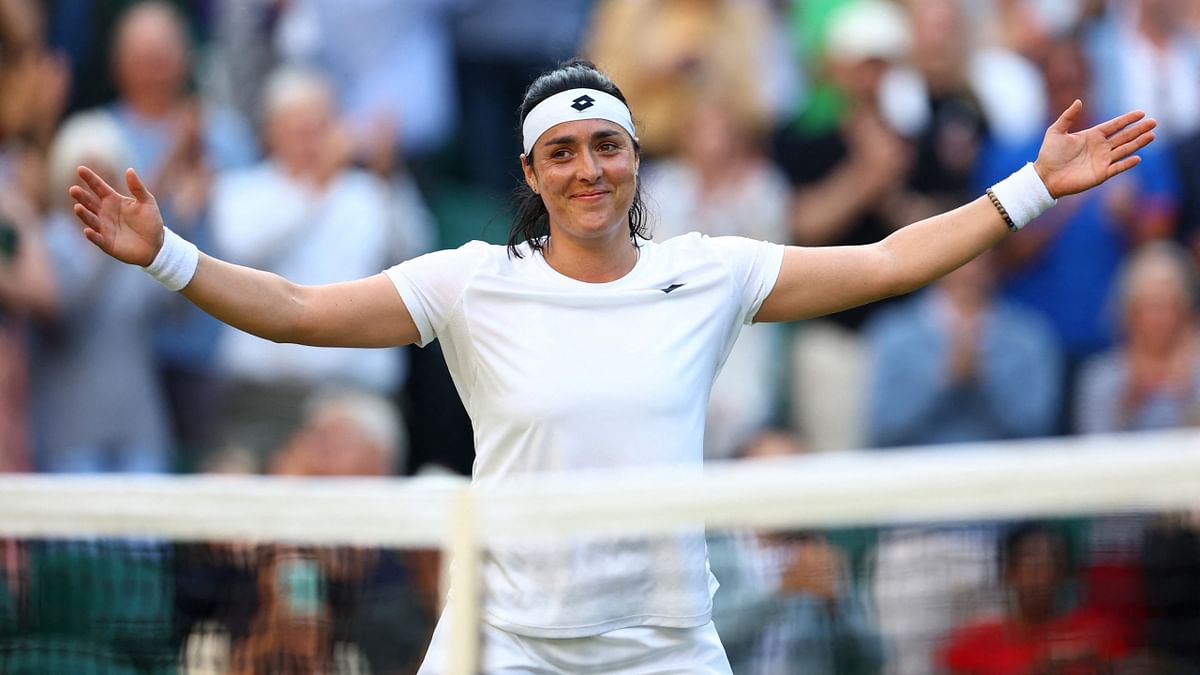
<point x="1158" y="308"/>
<point x="586" y="174"/>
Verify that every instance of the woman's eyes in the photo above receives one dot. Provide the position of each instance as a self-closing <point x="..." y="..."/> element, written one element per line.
<point x="605" y="147"/>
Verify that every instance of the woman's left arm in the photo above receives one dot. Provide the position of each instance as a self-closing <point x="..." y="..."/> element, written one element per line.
<point x="821" y="280"/>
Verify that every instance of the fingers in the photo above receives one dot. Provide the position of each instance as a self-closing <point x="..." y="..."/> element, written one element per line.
<point x="84" y="197"/>
<point x="1067" y="119"/>
<point x="94" y="237"/>
<point x="137" y="187"/>
<point x="1126" y="149"/>
<point x="96" y="183"/>
<point x="1123" y="165"/>
<point x="1131" y="132"/>
<point x="1119" y="122"/>
<point x="86" y="217"/>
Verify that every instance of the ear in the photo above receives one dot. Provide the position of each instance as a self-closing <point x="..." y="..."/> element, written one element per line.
<point x="530" y="176"/>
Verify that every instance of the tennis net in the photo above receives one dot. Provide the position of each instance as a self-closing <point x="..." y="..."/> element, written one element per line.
<point x="1056" y="556"/>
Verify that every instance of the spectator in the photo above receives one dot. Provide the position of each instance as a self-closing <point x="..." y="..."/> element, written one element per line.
<point x="840" y="179"/>
<point x="668" y="55"/>
<point x="1151" y="380"/>
<point x="34" y="83"/>
<point x="1065" y="264"/>
<point x="150" y="67"/>
<point x="242" y="53"/>
<point x="957" y="364"/>
<point x="722" y="185"/>
<point x="27" y="291"/>
<point x="976" y="90"/>
<point x="345" y="433"/>
<point x="954" y="364"/>
<point x="101" y="309"/>
<point x="178" y="141"/>
<point x="1035" y="634"/>
<point x="949" y="145"/>
<point x="788" y="601"/>
<point x="391" y="64"/>
<point x="309" y="599"/>
<point x="306" y="214"/>
<point x="1150" y="62"/>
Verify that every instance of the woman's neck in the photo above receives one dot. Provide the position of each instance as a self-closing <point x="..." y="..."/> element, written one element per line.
<point x="591" y="261"/>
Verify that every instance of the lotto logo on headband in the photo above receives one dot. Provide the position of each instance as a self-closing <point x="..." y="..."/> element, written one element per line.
<point x="584" y="104"/>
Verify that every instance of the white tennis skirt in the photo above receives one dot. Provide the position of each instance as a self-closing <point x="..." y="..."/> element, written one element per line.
<point x="638" y="650"/>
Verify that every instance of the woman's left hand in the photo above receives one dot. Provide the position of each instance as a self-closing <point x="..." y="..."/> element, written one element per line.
<point x="1073" y="162"/>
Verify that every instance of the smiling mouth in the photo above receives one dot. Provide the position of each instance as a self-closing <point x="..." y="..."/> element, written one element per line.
<point x="589" y="195"/>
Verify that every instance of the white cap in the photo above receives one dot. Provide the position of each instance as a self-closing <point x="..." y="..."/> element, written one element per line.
<point x="868" y="29"/>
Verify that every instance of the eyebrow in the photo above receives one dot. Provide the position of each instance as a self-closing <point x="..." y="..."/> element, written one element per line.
<point x="568" y="139"/>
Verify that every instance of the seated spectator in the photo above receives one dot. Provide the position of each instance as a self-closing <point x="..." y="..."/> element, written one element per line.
<point x="957" y="364"/>
<point x="788" y="602"/>
<point x="1152" y="379"/>
<point x="368" y="597"/>
<point x="1035" y="634"/>
<point x="286" y="608"/>
<point x="304" y="214"/>
<point x="344" y="434"/>
<point x="954" y="364"/>
<point x="94" y="360"/>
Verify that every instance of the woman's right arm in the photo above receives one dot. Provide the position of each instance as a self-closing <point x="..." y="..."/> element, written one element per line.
<point x="364" y="313"/>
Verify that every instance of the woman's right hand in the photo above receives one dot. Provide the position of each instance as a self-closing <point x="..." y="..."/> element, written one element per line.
<point x="129" y="229"/>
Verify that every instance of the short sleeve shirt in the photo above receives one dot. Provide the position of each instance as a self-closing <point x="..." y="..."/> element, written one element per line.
<point x="561" y="375"/>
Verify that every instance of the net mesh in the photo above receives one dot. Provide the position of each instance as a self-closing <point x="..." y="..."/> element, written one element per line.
<point x="1072" y="556"/>
<point x="139" y="606"/>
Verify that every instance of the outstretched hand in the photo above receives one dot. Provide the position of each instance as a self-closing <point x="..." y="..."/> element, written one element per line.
<point x="129" y="229"/>
<point x="1073" y="162"/>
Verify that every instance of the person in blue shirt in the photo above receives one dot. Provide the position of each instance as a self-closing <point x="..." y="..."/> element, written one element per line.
<point x="957" y="364"/>
<point x="1065" y="264"/>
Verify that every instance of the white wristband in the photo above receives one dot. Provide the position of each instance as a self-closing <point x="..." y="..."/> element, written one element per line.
<point x="175" y="263"/>
<point x="1022" y="197"/>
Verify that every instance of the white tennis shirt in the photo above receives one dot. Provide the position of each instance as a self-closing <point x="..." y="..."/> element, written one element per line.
<point x="561" y="375"/>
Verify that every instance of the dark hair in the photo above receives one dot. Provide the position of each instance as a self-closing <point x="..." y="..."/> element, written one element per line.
<point x="531" y="222"/>
<point x="1019" y="533"/>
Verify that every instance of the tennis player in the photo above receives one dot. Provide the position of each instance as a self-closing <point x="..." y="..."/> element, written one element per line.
<point x="584" y="344"/>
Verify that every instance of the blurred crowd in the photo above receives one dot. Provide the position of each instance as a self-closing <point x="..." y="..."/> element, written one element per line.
<point x="325" y="140"/>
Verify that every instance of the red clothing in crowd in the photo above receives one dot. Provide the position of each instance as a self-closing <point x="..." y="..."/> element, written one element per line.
<point x="1072" y="644"/>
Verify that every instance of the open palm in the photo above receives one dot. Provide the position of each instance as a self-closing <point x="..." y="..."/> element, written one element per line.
<point x="129" y="229"/>
<point x="1073" y="162"/>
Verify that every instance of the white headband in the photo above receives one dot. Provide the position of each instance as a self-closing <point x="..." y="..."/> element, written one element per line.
<point x="570" y="105"/>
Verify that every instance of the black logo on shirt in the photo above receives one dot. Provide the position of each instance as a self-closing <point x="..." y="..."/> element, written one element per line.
<point x="583" y="103"/>
<point x="670" y="288"/>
